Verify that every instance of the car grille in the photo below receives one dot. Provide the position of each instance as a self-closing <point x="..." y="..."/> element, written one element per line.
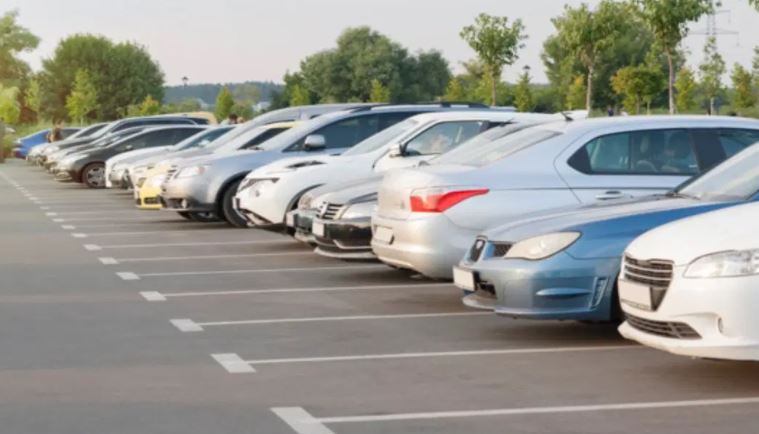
<point x="476" y="250"/>
<point x="674" y="330"/>
<point x="171" y="172"/>
<point x="654" y="273"/>
<point x="501" y="249"/>
<point x="329" y="211"/>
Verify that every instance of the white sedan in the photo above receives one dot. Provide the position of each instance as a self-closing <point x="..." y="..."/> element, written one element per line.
<point x="705" y="271"/>
<point x="270" y="192"/>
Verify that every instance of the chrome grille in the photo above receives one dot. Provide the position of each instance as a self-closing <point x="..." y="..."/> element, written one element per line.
<point x="675" y="330"/>
<point x="501" y="249"/>
<point x="654" y="273"/>
<point x="329" y="211"/>
<point x="476" y="250"/>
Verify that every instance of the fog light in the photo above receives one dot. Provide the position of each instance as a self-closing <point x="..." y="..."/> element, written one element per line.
<point x="184" y="204"/>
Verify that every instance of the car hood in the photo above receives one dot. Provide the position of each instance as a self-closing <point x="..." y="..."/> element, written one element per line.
<point x="342" y="193"/>
<point x="137" y="155"/>
<point x="233" y="163"/>
<point x="690" y="238"/>
<point x="606" y="228"/>
<point x="293" y="165"/>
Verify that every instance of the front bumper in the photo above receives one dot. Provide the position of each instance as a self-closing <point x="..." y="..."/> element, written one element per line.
<point x="428" y="243"/>
<point x="557" y="288"/>
<point x="300" y="220"/>
<point x="68" y="175"/>
<point x="186" y="195"/>
<point x="722" y="311"/>
<point x="348" y="239"/>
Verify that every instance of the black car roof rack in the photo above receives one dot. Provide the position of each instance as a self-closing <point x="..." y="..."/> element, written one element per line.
<point x="444" y="104"/>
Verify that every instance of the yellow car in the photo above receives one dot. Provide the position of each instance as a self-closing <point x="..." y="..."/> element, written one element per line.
<point x="147" y="187"/>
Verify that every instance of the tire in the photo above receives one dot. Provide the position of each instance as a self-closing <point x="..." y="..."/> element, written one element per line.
<point x="227" y="207"/>
<point x="93" y="175"/>
<point x="185" y="215"/>
<point x="203" y="217"/>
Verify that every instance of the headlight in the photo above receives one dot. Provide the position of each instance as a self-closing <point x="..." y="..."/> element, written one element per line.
<point x="542" y="246"/>
<point x="191" y="171"/>
<point x="67" y="161"/>
<point x="156" y="181"/>
<point x="725" y="264"/>
<point x="359" y="210"/>
<point x="305" y="201"/>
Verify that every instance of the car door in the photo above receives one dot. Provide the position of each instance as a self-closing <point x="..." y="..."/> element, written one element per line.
<point x="432" y="142"/>
<point x="629" y="164"/>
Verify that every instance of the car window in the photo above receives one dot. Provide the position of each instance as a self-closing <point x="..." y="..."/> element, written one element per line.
<point x="344" y="133"/>
<point x="651" y="152"/>
<point x="734" y="141"/>
<point x="443" y="137"/>
<point x="738" y="177"/>
<point x="495" y="147"/>
<point x="264" y="136"/>
<point x="383" y="138"/>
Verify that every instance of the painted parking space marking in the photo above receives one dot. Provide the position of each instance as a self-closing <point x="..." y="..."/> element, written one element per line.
<point x="191" y="244"/>
<point x="233" y="363"/>
<point x="159" y="231"/>
<point x="108" y="261"/>
<point x="190" y="258"/>
<point x="51" y="214"/>
<point x="188" y="325"/>
<point x="59" y="220"/>
<point x="304" y="423"/>
<point x="128" y="276"/>
<point x="163" y="296"/>
<point x="78" y="235"/>
<point x="260" y="270"/>
<point x="419" y="355"/>
<point x="68" y="227"/>
<point x="92" y="247"/>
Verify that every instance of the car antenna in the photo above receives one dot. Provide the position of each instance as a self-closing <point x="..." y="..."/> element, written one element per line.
<point x="567" y="117"/>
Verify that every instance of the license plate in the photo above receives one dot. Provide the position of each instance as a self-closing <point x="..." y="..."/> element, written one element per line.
<point x="383" y="234"/>
<point x="463" y="278"/>
<point x="635" y="294"/>
<point x="318" y="229"/>
<point x="290" y="219"/>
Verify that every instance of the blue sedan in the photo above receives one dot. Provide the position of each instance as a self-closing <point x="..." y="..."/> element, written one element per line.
<point x="564" y="264"/>
<point x="25" y="144"/>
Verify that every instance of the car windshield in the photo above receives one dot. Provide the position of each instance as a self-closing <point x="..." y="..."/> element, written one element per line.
<point x="200" y="140"/>
<point x="495" y="144"/>
<point x="294" y="134"/>
<point x="382" y="138"/>
<point x="738" y="177"/>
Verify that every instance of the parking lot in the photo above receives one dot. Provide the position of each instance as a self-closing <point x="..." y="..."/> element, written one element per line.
<point x="123" y="321"/>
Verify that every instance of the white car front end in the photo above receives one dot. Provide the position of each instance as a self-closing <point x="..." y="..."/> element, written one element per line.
<point x="706" y="306"/>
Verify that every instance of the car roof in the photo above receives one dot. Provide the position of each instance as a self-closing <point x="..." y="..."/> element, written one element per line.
<point x="649" y="122"/>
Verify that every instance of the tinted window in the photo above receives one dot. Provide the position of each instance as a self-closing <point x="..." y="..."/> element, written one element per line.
<point x="345" y="133"/>
<point x="734" y="141"/>
<point x="506" y="142"/>
<point x="737" y="177"/>
<point x="264" y="136"/>
<point x="654" y="152"/>
<point x="443" y="137"/>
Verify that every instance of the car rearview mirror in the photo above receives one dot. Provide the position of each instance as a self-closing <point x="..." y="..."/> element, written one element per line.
<point x="314" y="142"/>
<point x="395" y="151"/>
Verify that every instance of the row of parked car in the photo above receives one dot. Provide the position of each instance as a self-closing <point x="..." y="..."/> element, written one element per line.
<point x="648" y="220"/>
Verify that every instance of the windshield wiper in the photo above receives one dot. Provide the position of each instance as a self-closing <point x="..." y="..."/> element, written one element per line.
<point x="677" y="194"/>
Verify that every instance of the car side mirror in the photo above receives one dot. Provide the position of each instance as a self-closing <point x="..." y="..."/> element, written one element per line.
<point x="314" y="142"/>
<point x="395" y="151"/>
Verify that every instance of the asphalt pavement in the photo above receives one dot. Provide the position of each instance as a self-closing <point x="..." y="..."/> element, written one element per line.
<point x="116" y="320"/>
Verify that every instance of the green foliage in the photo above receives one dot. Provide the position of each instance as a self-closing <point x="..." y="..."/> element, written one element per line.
<point x="14" y="39"/>
<point x="686" y="85"/>
<point x="379" y="92"/>
<point x="638" y="84"/>
<point x="9" y="106"/>
<point x="183" y="106"/>
<point x="755" y="65"/>
<point x="83" y="100"/>
<point x="246" y="94"/>
<point x="243" y="110"/>
<point x="299" y="96"/>
<point x="496" y="43"/>
<point x="668" y="21"/>
<point x="362" y="55"/>
<point x="744" y="96"/>
<point x="33" y="96"/>
<point x="455" y="91"/>
<point x="523" y="94"/>
<point x="224" y="103"/>
<point x="123" y="74"/>
<point x="576" y="93"/>
<point x="150" y="106"/>
<point x="712" y="68"/>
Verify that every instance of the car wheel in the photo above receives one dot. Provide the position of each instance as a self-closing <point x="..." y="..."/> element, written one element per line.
<point x="203" y="217"/>
<point x="228" y="210"/>
<point x="185" y="215"/>
<point x="94" y="175"/>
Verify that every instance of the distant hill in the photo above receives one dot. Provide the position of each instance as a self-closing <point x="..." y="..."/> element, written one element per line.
<point x="207" y="92"/>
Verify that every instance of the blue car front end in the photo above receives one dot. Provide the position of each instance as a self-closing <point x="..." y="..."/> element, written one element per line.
<point x="25" y="144"/>
<point x="579" y="281"/>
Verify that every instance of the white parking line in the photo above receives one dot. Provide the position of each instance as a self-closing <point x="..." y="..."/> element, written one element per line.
<point x="108" y="261"/>
<point x="119" y="234"/>
<point x="210" y="243"/>
<point x="59" y="220"/>
<point x="92" y="247"/>
<point x="188" y="325"/>
<point x="186" y="258"/>
<point x="233" y="363"/>
<point x="304" y="423"/>
<point x="109" y="219"/>
<point x="51" y="214"/>
<point x="163" y="296"/>
<point x="498" y="352"/>
<point x="68" y="227"/>
<point x="258" y="270"/>
<point x="128" y="276"/>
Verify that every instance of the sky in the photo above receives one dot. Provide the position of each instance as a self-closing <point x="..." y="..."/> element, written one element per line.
<point x="219" y="41"/>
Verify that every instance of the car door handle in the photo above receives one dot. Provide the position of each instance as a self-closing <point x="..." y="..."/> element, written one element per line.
<point x="611" y="194"/>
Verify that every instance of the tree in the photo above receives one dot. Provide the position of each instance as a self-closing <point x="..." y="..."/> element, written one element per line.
<point x="9" y="106"/>
<point x="523" y="93"/>
<point x="299" y="96"/>
<point x="83" y="100"/>
<point x="497" y="45"/>
<point x="755" y="65"/>
<point x="638" y="84"/>
<point x="32" y="96"/>
<point x="668" y="21"/>
<point x="150" y="106"/>
<point x="14" y="39"/>
<point x="712" y="69"/>
<point x="246" y="93"/>
<point x="743" y="87"/>
<point x="685" y="83"/>
<point x="224" y="103"/>
<point x="455" y="91"/>
<point x="379" y="92"/>
<point x="123" y="74"/>
<point x="576" y="94"/>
